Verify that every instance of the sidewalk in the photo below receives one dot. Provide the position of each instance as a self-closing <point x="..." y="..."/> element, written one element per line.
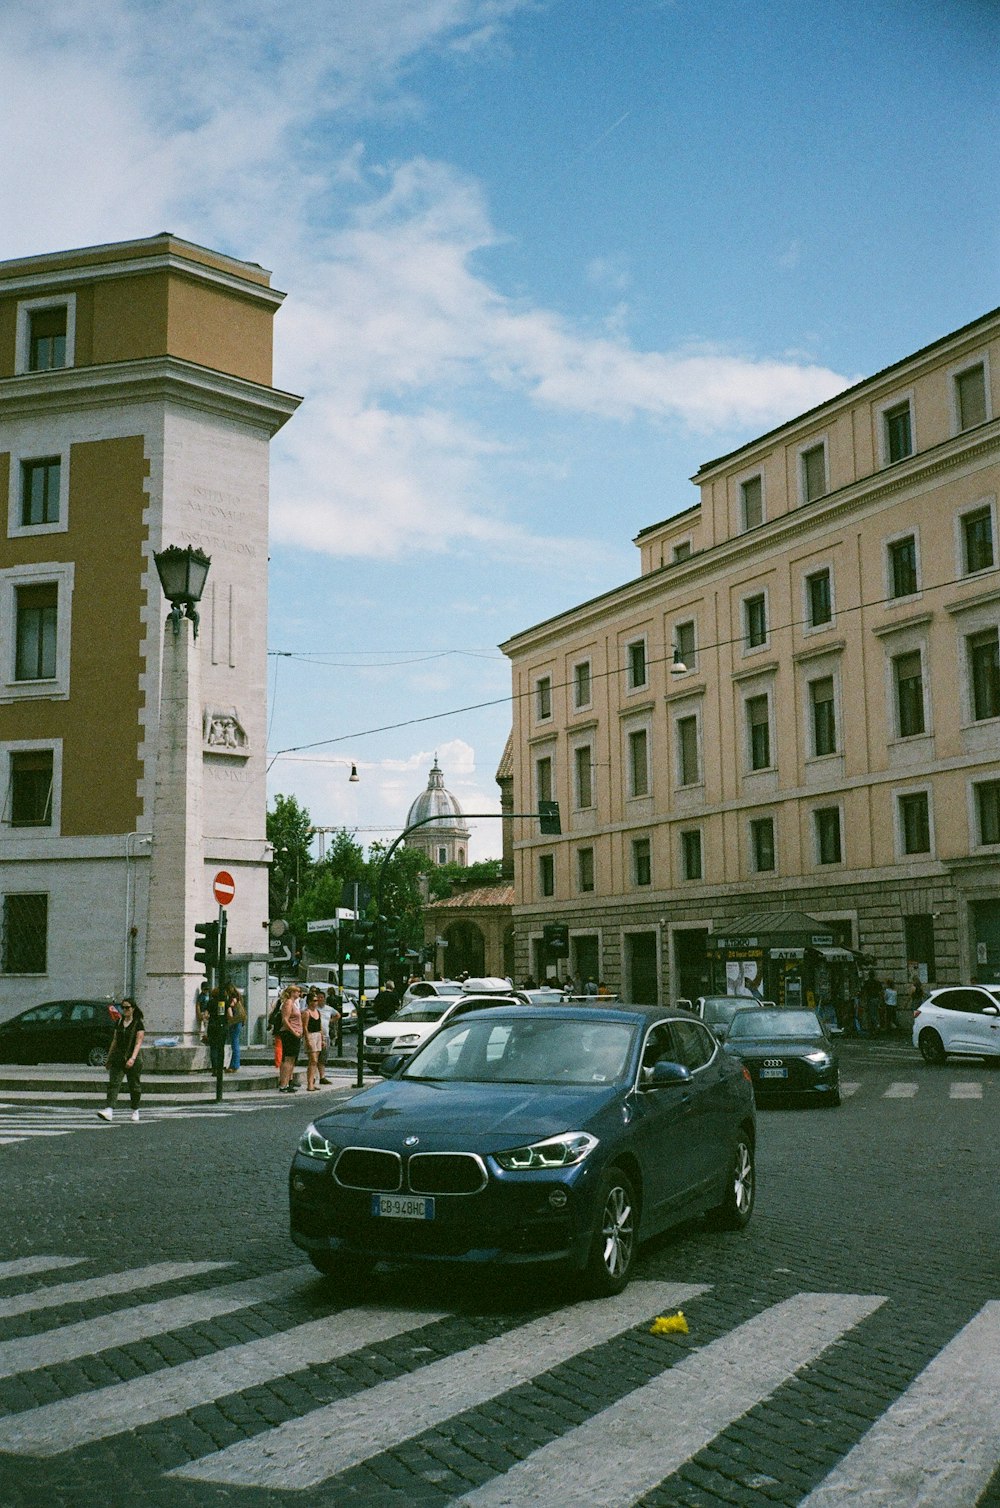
<point x="74" y="1084"/>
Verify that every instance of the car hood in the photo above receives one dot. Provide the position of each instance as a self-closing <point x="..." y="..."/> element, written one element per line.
<point x="764" y="1047"/>
<point x="475" y="1117"/>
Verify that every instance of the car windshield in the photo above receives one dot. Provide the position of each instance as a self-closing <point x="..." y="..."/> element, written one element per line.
<point x="422" y="1010"/>
<point x="725" y="1009"/>
<point x="525" y="1050"/>
<point x="758" y="1023"/>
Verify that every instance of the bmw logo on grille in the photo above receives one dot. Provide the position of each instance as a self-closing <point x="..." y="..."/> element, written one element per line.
<point x="772" y="1062"/>
<point x="411" y="1141"/>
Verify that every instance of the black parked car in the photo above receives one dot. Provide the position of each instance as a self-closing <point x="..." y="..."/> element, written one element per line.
<point x="531" y="1134"/>
<point x="787" y="1052"/>
<point x="61" y="1031"/>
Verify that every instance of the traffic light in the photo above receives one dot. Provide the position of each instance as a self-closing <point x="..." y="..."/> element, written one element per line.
<point x="206" y="945"/>
<point x="548" y="818"/>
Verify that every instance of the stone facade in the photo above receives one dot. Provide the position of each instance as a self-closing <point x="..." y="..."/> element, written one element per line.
<point x="796" y="704"/>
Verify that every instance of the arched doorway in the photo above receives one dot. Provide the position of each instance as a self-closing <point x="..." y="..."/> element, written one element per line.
<point x="466" y="951"/>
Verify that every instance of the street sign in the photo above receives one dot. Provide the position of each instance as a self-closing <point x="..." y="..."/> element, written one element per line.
<point x="223" y="887"/>
<point x="330" y="924"/>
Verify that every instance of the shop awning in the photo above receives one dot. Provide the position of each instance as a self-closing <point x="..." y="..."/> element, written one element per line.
<point x="836" y="955"/>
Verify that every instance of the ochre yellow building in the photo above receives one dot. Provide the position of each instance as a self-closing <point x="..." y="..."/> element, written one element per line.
<point x="796" y="705"/>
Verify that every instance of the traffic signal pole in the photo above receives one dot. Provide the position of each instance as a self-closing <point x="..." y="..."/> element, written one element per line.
<point x="220" y="1005"/>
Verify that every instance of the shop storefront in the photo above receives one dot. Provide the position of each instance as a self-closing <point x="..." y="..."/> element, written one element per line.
<point x="789" y="958"/>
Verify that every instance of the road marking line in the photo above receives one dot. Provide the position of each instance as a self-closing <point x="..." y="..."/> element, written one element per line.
<point x="24" y="1131"/>
<point x="100" y="1288"/>
<point x="966" y="1091"/>
<point x="846" y="1090"/>
<point x="23" y="1267"/>
<point x="12" y="1141"/>
<point x="306" y="1451"/>
<point x="899" y="1091"/>
<point x="938" y="1445"/>
<point x="86" y="1337"/>
<point x="71" y="1422"/>
<point x="623" y="1452"/>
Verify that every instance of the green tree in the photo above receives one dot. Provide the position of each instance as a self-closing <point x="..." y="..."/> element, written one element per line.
<point x="343" y="864"/>
<point x="444" y="878"/>
<point x="289" y="830"/>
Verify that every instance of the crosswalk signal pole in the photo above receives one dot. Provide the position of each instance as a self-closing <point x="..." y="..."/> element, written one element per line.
<point x="220" y="1007"/>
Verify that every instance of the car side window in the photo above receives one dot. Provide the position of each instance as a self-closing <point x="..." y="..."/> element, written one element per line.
<point x="947" y="1000"/>
<point x="659" y="1046"/>
<point x="44" y="1015"/>
<point x="81" y="1012"/>
<point x="973" y="1001"/>
<point x="695" y="1044"/>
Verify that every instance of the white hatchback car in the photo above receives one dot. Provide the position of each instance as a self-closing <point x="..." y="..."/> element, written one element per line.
<point x="412" y="1024"/>
<point x="961" y="1018"/>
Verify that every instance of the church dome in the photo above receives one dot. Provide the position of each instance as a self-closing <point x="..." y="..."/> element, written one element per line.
<point x="445" y="832"/>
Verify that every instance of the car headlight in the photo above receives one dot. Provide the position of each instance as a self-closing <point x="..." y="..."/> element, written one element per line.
<point x="313" y="1143"/>
<point x="563" y="1151"/>
<point x="410" y="1037"/>
<point x="818" y="1057"/>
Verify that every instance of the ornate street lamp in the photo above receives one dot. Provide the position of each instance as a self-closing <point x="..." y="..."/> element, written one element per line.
<point x="182" y="574"/>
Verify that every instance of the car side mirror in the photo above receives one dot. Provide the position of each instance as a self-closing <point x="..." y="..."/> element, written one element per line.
<point x="991" y="1010"/>
<point x="664" y="1075"/>
<point x="392" y="1064"/>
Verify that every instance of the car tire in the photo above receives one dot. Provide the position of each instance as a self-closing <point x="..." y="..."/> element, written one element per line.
<point x="931" y="1047"/>
<point x="741" y="1189"/>
<point x="97" y="1057"/>
<point x="834" y="1099"/>
<point x="614" y="1238"/>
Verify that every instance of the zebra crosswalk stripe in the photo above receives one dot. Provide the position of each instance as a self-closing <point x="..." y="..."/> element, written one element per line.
<point x="900" y="1091"/>
<point x="72" y="1422"/>
<point x="623" y="1452"/>
<point x="966" y="1091"/>
<point x="938" y="1445"/>
<point x="87" y="1337"/>
<point x="306" y="1451"/>
<point x="82" y="1291"/>
<point x="26" y="1267"/>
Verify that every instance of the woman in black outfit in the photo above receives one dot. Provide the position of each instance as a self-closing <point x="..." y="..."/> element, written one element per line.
<point x="124" y="1060"/>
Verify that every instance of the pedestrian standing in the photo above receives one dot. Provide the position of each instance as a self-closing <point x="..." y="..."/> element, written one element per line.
<point x="124" y="1060"/>
<point x="236" y="1015"/>
<point x="385" y="1003"/>
<point x="215" y="1023"/>
<point x="291" y="1037"/>
<point x="889" y="1002"/>
<point x="327" y="1015"/>
<point x="871" y="1003"/>
<point x="312" y="1031"/>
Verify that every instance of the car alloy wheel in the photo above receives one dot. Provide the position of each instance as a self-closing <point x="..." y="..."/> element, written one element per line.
<point x="931" y="1047"/>
<point x="741" y="1188"/>
<point x="97" y="1057"/>
<point x="612" y="1249"/>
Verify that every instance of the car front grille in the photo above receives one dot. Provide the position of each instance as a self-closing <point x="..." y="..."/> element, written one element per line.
<point x="445" y="1173"/>
<point x="364" y="1168"/>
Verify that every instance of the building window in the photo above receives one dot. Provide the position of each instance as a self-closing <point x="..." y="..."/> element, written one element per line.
<point x="915" y="823"/>
<point x="688" y="771"/>
<point x="682" y="551"/>
<point x="47" y="338"/>
<point x="24" y="937"/>
<point x="585" y="868"/>
<point x="824" y="717"/>
<point x="813" y="472"/>
<point x="758" y="732"/>
<point x="755" y="621"/>
<point x="970" y="396"/>
<point x="40" y="491"/>
<point x="977" y="540"/>
<point x="546" y="874"/>
<point x="29" y="802"/>
<point x="988" y="811"/>
<point x="903" y="580"/>
<point x="762" y="844"/>
<point x="897" y="432"/>
<point x="819" y="599"/>
<point x="691" y="854"/>
<point x="36" y="615"/>
<point x="442" y="857"/>
<point x="642" y="862"/>
<point x="909" y="681"/>
<point x="638" y="762"/>
<point x="543" y="698"/>
<point x="543" y="779"/>
<point x="984" y="674"/>
<point x="583" y="764"/>
<point x="636" y="659"/>
<point x="827" y="823"/>
<point x="752" y="502"/>
<point x="581" y="684"/>
<point x="685" y="644"/>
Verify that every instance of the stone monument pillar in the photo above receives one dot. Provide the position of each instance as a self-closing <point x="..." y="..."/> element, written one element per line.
<point x="177" y="858"/>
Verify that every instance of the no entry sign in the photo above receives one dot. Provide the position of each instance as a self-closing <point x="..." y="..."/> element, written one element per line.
<point x="223" y="887"/>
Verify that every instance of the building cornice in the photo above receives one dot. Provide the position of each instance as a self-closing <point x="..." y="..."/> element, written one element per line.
<point x="150" y="379"/>
<point x="43" y="280"/>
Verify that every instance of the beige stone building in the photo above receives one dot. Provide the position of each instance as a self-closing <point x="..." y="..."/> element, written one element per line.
<point x="794" y="708"/>
<point x="136" y="410"/>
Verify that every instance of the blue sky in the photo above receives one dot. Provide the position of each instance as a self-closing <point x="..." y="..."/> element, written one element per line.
<point x="543" y="258"/>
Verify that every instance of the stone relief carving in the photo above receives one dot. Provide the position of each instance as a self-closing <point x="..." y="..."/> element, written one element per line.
<point x="223" y="733"/>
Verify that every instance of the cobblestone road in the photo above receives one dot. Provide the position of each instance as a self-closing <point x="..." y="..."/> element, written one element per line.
<point x="161" y="1341"/>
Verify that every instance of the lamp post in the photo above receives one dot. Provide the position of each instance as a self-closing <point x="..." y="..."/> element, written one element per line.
<point x="182" y="574"/>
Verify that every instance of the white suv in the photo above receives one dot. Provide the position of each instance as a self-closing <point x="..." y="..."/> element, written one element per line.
<point x="961" y="1018"/>
<point x="413" y="1023"/>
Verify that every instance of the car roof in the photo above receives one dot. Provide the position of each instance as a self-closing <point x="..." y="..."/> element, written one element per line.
<point x="580" y="1011"/>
